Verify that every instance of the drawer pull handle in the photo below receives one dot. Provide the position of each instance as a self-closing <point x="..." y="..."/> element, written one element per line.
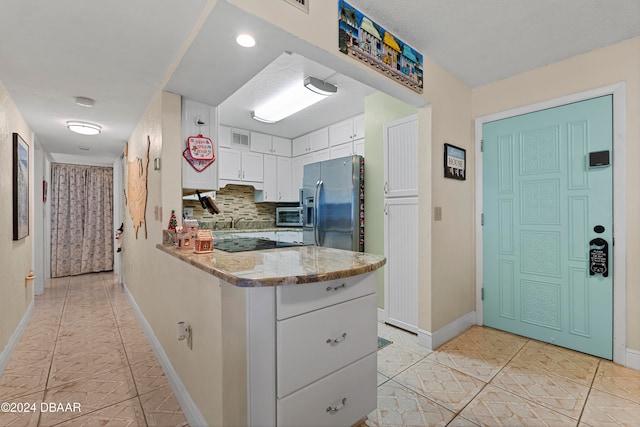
<point x="337" y="340"/>
<point x="333" y="409"/>
<point x="335" y="288"/>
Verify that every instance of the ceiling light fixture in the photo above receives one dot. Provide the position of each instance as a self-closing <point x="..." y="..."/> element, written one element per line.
<point x="84" y="128"/>
<point x="294" y="99"/>
<point x="246" y="40"/>
<point x="83" y="101"/>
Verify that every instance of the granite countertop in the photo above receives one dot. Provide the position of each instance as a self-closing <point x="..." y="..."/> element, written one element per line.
<point x="282" y="266"/>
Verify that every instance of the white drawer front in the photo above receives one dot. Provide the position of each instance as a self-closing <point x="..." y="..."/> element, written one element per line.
<point x="341" y="399"/>
<point x="316" y="344"/>
<point x="293" y="300"/>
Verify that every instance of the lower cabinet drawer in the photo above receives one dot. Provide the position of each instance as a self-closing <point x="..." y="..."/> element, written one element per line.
<point x="293" y="300"/>
<point x="316" y="344"/>
<point x="340" y="399"/>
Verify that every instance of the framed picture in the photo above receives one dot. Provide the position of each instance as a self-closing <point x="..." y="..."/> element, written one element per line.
<point x="20" y="188"/>
<point x="455" y="164"/>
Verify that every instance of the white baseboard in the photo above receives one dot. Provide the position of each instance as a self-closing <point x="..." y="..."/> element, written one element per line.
<point x="633" y="359"/>
<point x="444" y="334"/>
<point x="191" y="411"/>
<point x="5" y="354"/>
<point x="382" y="315"/>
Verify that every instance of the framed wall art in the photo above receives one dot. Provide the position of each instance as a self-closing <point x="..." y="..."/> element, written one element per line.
<point x="455" y="164"/>
<point x="20" y="188"/>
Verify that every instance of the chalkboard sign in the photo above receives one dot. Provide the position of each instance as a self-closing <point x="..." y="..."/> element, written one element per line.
<point x="599" y="257"/>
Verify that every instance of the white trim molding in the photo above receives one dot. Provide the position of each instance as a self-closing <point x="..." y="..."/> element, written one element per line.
<point x="382" y="315"/>
<point x="633" y="359"/>
<point x="7" y="351"/>
<point x="434" y="340"/>
<point x="191" y="411"/>
<point x="618" y="90"/>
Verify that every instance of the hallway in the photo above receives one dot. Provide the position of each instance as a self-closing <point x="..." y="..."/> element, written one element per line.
<point x="84" y="345"/>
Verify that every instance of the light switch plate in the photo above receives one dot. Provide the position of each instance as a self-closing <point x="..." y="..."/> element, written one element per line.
<point x="437" y="213"/>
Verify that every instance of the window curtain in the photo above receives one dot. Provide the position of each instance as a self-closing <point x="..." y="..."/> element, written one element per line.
<point x="81" y="219"/>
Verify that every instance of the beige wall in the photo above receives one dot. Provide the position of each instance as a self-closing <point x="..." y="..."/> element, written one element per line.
<point x="166" y="289"/>
<point x="602" y="67"/>
<point x="16" y="259"/>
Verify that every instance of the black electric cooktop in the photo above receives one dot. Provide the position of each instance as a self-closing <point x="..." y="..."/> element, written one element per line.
<point x="242" y="244"/>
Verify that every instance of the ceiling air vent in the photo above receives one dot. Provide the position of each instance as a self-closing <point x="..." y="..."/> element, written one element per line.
<point x="240" y="138"/>
<point x="300" y="4"/>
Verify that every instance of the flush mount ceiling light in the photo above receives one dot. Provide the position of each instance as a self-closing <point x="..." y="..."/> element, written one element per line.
<point x="294" y="99"/>
<point x="84" y="128"/>
<point x="83" y="101"/>
<point x="245" y="40"/>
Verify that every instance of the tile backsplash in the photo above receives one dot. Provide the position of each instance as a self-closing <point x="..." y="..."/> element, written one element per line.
<point x="235" y="202"/>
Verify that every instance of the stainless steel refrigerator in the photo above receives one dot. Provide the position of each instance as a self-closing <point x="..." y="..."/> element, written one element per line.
<point x="332" y="200"/>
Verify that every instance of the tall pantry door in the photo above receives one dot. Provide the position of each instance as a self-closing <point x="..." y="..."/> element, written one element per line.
<point x="401" y="223"/>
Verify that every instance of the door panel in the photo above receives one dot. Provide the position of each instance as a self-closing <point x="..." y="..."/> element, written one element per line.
<point x="541" y="202"/>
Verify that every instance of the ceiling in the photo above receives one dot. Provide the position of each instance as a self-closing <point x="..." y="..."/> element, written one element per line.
<point x="120" y="53"/>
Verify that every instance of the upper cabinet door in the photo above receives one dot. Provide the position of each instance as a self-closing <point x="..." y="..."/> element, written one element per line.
<point x="224" y="136"/>
<point x="319" y="139"/>
<point x="341" y="132"/>
<point x="230" y="164"/>
<point x="281" y="146"/>
<point x="261" y="143"/>
<point x="301" y="145"/>
<point x="252" y="167"/>
<point x="358" y="127"/>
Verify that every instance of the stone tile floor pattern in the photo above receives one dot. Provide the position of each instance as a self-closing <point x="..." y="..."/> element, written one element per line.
<point x="486" y="377"/>
<point x="84" y="344"/>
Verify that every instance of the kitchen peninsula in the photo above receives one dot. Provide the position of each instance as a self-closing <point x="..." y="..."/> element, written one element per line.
<point x="299" y="333"/>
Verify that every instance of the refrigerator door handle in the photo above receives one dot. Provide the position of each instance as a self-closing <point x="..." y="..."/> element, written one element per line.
<point x="316" y="208"/>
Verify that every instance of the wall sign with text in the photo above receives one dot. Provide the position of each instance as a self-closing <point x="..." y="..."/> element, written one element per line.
<point x="455" y="165"/>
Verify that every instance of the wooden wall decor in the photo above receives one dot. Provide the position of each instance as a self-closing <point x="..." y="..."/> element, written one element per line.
<point x="137" y="176"/>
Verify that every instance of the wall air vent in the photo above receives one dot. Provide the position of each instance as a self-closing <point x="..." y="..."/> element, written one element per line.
<point x="300" y="4"/>
<point x="240" y="138"/>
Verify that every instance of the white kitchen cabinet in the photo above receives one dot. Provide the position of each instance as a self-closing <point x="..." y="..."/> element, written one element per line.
<point x="278" y="186"/>
<point x="269" y="192"/>
<point x="286" y="190"/>
<point x="268" y="144"/>
<point x="359" y="147"/>
<point x="192" y="114"/>
<point x="319" y="139"/>
<point x="300" y="145"/>
<point x="261" y="143"/>
<point x="289" y="236"/>
<point x="311" y="142"/>
<point x="401" y="222"/>
<point x="281" y="146"/>
<point x="342" y="150"/>
<point x="337" y="324"/>
<point x="241" y="167"/>
<point x="224" y="136"/>
<point x="297" y="171"/>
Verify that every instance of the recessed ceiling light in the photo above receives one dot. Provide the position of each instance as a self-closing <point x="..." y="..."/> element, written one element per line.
<point x="245" y="40"/>
<point x="85" y="102"/>
<point x="84" y="128"/>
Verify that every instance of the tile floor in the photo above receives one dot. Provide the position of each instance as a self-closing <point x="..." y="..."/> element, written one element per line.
<point x="84" y="344"/>
<point x="486" y="377"/>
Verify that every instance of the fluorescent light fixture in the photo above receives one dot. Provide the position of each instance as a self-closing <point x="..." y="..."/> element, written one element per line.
<point x="294" y="99"/>
<point x="319" y="87"/>
<point x="246" y="40"/>
<point x="84" y="128"/>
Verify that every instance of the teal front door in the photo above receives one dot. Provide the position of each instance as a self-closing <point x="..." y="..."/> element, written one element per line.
<point x="548" y="225"/>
